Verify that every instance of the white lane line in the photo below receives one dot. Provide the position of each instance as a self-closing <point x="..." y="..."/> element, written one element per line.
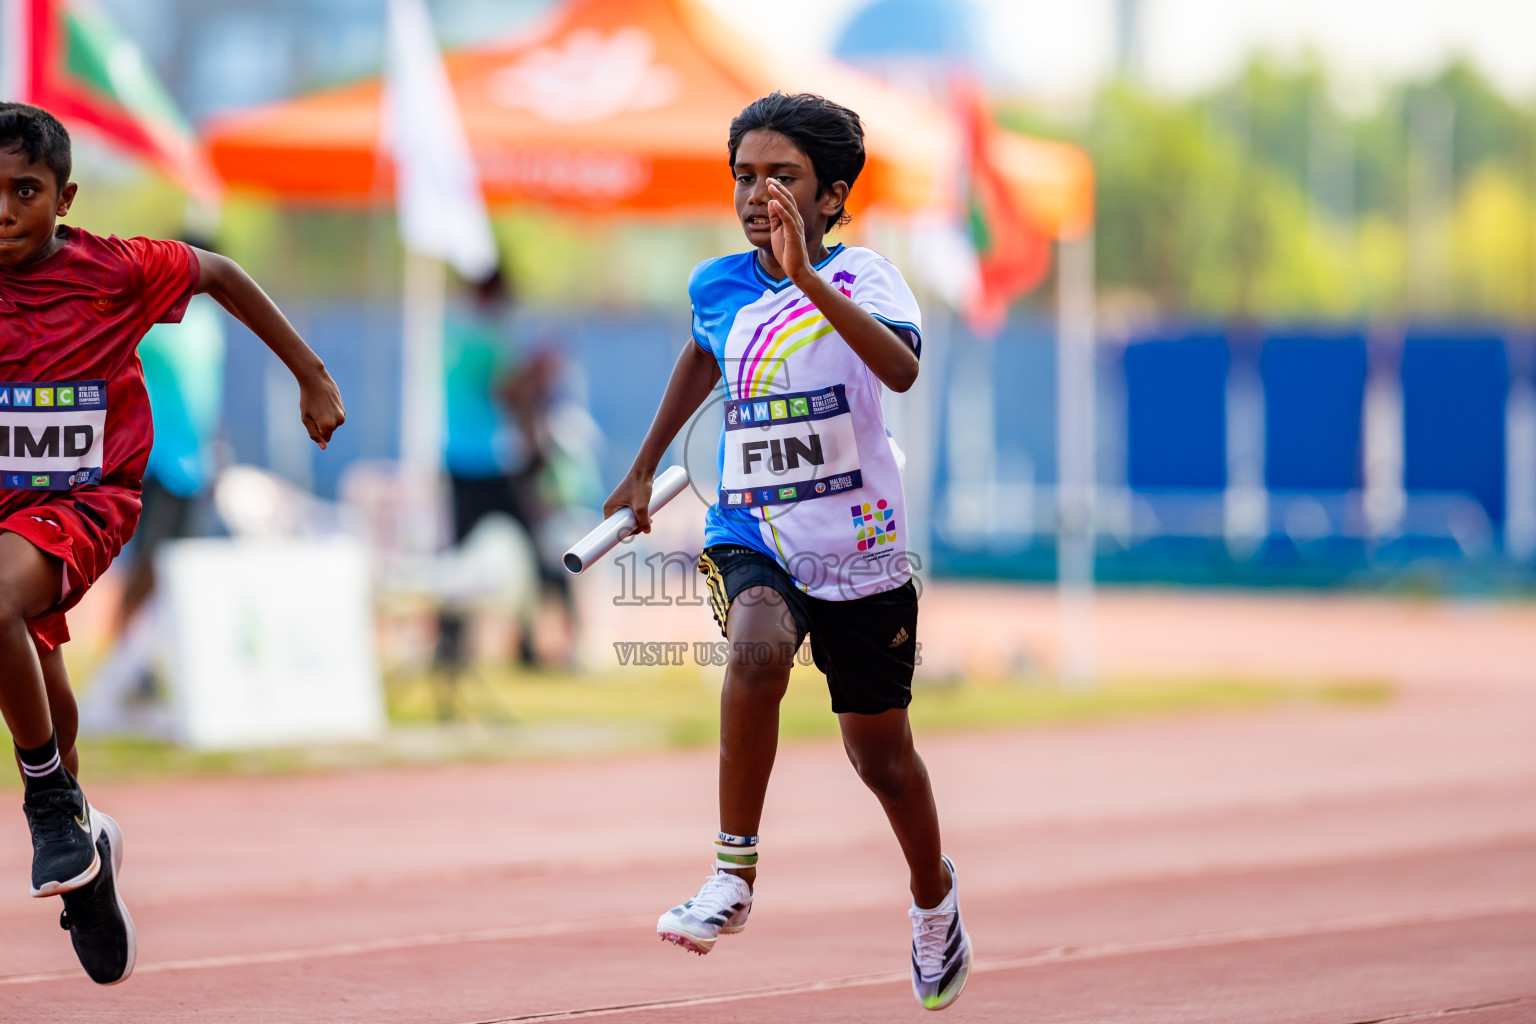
<point x="283" y="956"/>
<point x="1064" y="954"/>
<point x="1451" y="1011"/>
<point x="1058" y="955"/>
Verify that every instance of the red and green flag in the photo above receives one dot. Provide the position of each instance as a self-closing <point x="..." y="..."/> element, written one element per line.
<point x="1012" y="256"/>
<point x="67" y="57"/>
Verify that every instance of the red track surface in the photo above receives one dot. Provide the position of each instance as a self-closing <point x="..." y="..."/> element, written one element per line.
<point x="1333" y="865"/>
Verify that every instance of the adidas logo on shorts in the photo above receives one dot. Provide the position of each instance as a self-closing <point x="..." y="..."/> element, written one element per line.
<point x="901" y="637"/>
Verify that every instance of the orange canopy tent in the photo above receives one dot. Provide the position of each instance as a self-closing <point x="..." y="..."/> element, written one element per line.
<point x="622" y="106"/>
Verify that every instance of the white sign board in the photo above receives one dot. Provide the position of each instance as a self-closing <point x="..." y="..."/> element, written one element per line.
<point x="271" y="642"/>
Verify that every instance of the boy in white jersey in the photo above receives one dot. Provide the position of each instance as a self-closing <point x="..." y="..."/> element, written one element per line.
<point x="808" y="536"/>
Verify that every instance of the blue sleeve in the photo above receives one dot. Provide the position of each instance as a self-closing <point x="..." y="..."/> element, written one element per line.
<point x="700" y="338"/>
<point x="880" y="290"/>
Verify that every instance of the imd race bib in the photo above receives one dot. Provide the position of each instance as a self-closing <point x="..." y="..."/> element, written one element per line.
<point x="51" y="434"/>
<point x="789" y="447"/>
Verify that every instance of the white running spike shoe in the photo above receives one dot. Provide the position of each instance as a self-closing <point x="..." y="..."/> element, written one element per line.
<point x="720" y="908"/>
<point x="941" y="949"/>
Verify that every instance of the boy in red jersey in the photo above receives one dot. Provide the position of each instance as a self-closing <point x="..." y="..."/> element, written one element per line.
<point x="75" y="434"/>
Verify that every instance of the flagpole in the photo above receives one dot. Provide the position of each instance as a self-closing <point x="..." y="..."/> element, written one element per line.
<point x="424" y="302"/>
<point x="1075" y="471"/>
<point x="421" y="401"/>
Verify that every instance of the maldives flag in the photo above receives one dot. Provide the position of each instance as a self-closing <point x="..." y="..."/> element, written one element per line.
<point x="66" y="57"/>
<point x="1012" y="256"/>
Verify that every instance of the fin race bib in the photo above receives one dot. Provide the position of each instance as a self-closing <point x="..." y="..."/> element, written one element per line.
<point x="789" y="447"/>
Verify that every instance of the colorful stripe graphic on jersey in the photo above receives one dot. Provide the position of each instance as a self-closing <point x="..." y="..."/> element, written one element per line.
<point x="787" y="332"/>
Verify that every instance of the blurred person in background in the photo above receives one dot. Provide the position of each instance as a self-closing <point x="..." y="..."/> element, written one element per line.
<point x="184" y="374"/>
<point x="504" y="451"/>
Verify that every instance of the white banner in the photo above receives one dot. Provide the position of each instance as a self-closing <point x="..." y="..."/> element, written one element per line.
<point x="272" y="642"/>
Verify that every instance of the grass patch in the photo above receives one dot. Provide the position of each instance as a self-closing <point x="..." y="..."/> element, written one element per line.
<point x="500" y="714"/>
<point x="683" y="703"/>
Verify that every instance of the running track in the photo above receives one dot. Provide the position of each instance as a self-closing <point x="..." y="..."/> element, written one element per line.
<point x="1327" y="865"/>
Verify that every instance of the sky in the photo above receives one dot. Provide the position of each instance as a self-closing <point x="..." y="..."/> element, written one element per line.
<point x="1060" y="48"/>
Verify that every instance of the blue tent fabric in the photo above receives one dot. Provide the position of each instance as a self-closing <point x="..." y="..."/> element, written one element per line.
<point x="930" y="28"/>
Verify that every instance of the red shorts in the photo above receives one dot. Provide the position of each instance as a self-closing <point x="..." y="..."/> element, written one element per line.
<point x="85" y="531"/>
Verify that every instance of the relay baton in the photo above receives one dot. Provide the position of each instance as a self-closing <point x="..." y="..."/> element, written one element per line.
<point x="585" y="552"/>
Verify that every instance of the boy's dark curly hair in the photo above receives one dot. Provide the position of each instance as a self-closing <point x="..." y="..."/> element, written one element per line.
<point x="831" y="135"/>
<point x="39" y="135"/>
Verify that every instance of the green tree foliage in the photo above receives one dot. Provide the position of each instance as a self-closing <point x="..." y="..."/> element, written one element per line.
<point x="1266" y="197"/>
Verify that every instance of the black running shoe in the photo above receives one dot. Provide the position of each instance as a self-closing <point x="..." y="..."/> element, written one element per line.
<point x="95" y="917"/>
<point x="63" y="842"/>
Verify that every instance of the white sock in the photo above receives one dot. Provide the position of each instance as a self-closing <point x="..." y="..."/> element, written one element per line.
<point x="946" y="905"/>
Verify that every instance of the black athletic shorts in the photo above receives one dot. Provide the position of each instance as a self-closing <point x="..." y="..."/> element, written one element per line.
<point x="866" y="647"/>
<point x="475" y="497"/>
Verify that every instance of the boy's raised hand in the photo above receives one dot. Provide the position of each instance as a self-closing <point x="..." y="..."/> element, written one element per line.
<point x="320" y="406"/>
<point x="787" y="230"/>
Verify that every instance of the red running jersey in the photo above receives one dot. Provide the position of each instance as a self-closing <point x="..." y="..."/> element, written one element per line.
<point x="74" y="415"/>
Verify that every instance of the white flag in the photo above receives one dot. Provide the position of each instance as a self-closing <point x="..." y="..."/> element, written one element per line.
<point x="437" y="189"/>
<point x="15" y="44"/>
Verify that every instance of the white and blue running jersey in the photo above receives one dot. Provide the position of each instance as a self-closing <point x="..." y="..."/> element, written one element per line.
<point x="808" y="472"/>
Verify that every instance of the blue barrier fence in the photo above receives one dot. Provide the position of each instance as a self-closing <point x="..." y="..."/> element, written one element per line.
<point x="1175" y="390"/>
<point x="1285" y="455"/>
<point x="1280" y="455"/>
<point x="1314" y="400"/>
